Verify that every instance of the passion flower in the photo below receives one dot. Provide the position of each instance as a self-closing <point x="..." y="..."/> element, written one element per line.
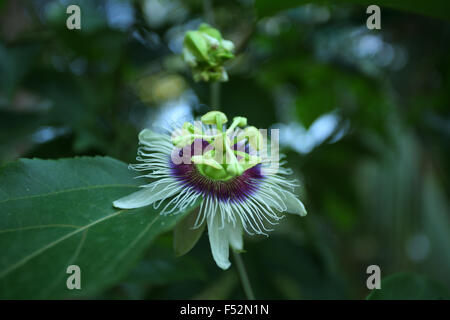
<point x="227" y="169"/>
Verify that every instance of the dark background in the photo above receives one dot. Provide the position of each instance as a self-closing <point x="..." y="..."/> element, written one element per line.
<point x="364" y="118"/>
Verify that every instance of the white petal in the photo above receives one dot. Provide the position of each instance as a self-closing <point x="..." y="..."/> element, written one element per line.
<point x="235" y="235"/>
<point x="148" y="195"/>
<point x="293" y="204"/>
<point x="211" y="40"/>
<point x="228" y="45"/>
<point x="189" y="57"/>
<point x="218" y="240"/>
<point x="149" y="137"/>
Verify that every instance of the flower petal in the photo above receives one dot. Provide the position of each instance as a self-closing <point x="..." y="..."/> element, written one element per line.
<point x="146" y="196"/>
<point x="218" y="240"/>
<point x="228" y="45"/>
<point x="235" y="235"/>
<point x="293" y="204"/>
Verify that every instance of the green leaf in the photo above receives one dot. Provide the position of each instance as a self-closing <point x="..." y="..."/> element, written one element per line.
<point x="408" y="286"/>
<point x="436" y="8"/>
<point x="56" y="213"/>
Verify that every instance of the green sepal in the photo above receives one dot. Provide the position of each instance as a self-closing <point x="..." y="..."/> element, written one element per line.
<point x="197" y="45"/>
<point x="206" y="28"/>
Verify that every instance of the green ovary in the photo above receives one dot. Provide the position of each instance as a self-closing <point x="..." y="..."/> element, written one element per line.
<point x="213" y="173"/>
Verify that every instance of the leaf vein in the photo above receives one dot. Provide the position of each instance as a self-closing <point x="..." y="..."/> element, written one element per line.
<point x="50" y="245"/>
<point x="41" y="227"/>
<point x="69" y="190"/>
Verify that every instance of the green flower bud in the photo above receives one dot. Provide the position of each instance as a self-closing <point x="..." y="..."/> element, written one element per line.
<point x="205" y="51"/>
<point x="228" y="45"/>
<point x="208" y="30"/>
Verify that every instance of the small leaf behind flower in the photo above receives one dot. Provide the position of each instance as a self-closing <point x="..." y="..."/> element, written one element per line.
<point x="185" y="236"/>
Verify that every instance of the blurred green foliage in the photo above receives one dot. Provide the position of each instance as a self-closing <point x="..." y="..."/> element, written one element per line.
<point x="407" y="286"/>
<point x="364" y="118"/>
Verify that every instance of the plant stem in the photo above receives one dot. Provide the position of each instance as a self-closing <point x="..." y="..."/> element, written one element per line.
<point x="215" y="95"/>
<point x="243" y="275"/>
<point x="214" y="86"/>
